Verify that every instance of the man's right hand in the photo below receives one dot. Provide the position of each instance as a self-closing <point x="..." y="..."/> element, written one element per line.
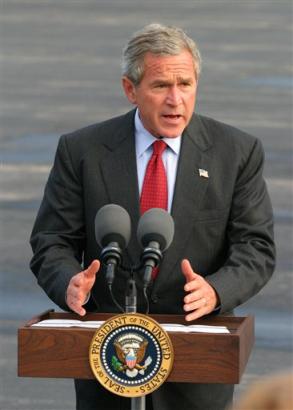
<point x="79" y="287"/>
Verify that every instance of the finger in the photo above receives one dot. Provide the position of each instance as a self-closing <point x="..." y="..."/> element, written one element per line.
<point x="194" y="285"/>
<point x="75" y="305"/>
<point x="193" y="296"/>
<point x="187" y="270"/>
<point x="77" y="308"/>
<point x="196" y="314"/>
<point x="198" y="304"/>
<point x="91" y="271"/>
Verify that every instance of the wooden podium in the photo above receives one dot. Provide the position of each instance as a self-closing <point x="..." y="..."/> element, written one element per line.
<point x="198" y="357"/>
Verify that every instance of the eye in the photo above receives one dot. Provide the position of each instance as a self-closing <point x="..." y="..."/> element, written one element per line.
<point x="161" y="85"/>
<point x="185" y="83"/>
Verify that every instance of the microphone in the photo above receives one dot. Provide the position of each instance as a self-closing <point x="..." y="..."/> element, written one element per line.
<point x="155" y="233"/>
<point x="112" y="231"/>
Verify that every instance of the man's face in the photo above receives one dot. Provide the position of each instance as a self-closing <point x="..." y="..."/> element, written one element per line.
<point x="166" y="94"/>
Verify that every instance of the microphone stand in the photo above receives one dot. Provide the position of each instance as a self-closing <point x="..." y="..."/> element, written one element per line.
<point x="137" y="403"/>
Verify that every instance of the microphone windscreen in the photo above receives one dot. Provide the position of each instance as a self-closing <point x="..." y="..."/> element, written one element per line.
<point x="112" y="224"/>
<point x="157" y="225"/>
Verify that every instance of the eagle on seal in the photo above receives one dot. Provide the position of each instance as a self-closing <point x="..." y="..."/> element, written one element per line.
<point x="130" y="350"/>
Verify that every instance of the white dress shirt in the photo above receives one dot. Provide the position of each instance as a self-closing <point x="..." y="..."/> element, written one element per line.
<point x="143" y="146"/>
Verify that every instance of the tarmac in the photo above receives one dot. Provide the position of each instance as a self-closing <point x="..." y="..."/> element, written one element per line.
<point x="60" y="70"/>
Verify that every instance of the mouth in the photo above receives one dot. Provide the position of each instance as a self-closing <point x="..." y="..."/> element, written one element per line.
<point x="172" y="116"/>
<point x="172" y="119"/>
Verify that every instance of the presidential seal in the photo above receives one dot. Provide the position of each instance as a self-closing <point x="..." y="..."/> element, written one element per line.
<point x="131" y="355"/>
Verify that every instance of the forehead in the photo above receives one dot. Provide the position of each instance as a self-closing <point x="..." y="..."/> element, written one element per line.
<point x="158" y="65"/>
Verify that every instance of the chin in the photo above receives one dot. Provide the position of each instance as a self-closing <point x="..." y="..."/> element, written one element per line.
<point x="168" y="132"/>
<point x="173" y="133"/>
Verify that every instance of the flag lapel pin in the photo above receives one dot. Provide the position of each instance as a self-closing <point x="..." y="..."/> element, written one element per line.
<point x="203" y="173"/>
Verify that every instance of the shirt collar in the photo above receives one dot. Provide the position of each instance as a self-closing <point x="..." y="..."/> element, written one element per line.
<point x="144" y="139"/>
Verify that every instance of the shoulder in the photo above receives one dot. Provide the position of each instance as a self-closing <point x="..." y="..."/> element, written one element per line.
<point x="227" y="138"/>
<point x="229" y="147"/>
<point x="94" y="141"/>
<point x="96" y="138"/>
<point x="101" y="130"/>
<point x="218" y="130"/>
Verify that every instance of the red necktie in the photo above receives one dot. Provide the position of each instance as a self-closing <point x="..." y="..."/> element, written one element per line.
<point x="155" y="189"/>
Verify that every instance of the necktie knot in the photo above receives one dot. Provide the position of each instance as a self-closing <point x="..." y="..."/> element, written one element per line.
<point x="158" y="147"/>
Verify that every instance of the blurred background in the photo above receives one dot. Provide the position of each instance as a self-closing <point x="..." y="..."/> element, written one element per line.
<point x="60" y="70"/>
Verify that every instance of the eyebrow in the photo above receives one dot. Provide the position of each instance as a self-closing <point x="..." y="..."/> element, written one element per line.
<point x="185" y="79"/>
<point x="179" y="79"/>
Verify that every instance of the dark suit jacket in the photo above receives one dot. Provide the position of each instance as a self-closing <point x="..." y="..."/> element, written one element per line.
<point x="223" y="223"/>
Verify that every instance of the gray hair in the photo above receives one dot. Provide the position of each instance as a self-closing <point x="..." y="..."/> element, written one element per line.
<point x="160" y="40"/>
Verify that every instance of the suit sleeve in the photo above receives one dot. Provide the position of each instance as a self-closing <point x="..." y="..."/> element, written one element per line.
<point x="251" y="250"/>
<point x="58" y="235"/>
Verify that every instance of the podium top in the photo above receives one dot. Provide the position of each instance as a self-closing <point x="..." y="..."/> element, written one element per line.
<point x="232" y="323"/>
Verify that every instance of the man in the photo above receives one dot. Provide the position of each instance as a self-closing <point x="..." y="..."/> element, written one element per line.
<point x="223" y="250"/>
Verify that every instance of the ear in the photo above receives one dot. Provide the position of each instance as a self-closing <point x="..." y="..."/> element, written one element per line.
<point x="129" y="89"/>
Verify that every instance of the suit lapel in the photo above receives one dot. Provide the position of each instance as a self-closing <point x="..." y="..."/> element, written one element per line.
<point x="120" y="177"/>
<point x="189" y="191"/>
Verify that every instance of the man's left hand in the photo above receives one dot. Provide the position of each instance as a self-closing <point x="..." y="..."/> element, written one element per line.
<point x="202" y="298"/>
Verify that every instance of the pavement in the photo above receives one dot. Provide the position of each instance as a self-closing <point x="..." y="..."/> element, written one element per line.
<point x="60" y="70"/>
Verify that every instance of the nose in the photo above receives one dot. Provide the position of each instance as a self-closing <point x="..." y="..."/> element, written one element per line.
<point x="174" y="96"/>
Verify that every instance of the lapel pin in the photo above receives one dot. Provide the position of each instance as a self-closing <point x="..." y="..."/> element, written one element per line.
<point x="203" y="173"/>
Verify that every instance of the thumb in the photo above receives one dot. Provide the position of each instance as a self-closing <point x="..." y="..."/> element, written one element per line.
<point x="187" y="270"/>
<point x="91" y="271"/>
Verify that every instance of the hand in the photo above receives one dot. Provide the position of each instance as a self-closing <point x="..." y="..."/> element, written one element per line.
<point x="80" y="286"/>
<point x="202" y="297"/>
